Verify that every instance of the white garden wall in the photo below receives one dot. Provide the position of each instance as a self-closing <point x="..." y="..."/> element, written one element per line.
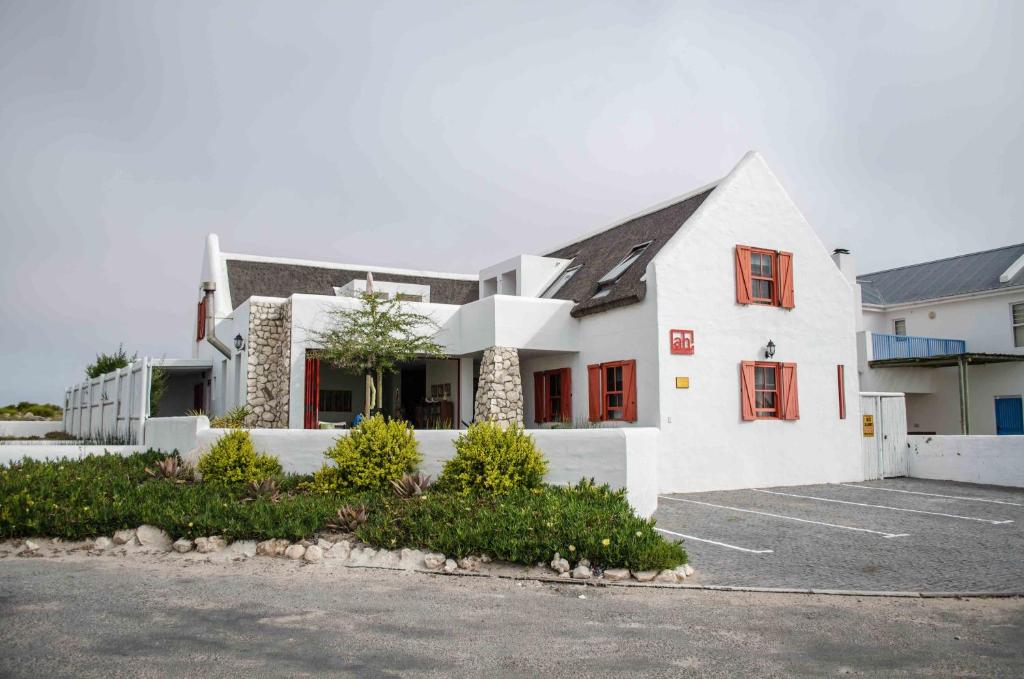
<point x="34" y="428"/>
<point x="995" y="460"/>
<point x="622" y="458"/>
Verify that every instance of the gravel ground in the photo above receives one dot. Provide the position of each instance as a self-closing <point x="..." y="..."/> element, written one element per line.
<point x="138" y="616"/>
<point x="963" y="551"/>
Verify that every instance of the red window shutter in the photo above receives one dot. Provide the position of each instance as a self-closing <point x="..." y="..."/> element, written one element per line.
<point x="789" y="396"/>
<point x="784" y="285"/>
<point x="594" y="392"/>
<point x="539" y="401"/>
<point x="841" y="378"/>
<point x="201" y="321"/>
<point x="747" y="390"/>
<point x="629" y="391"/>
<point x="311" y="414"/>
<point x="743" y="287"/>
<point x="566" y="395"/>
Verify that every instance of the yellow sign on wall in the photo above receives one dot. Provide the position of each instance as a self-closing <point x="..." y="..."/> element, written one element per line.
<point x="682" y="383"/>
<point x="869" y="425"/>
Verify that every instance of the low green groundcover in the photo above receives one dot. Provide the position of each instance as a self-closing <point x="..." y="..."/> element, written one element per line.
<point x="75" y="499"/>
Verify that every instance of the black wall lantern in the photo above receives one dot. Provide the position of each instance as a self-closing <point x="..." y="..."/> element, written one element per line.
<point x="239" y="342"/>
<point x="769" y="350"/>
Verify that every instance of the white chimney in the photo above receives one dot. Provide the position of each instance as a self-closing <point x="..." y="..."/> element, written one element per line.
<point x="844" y="260"/>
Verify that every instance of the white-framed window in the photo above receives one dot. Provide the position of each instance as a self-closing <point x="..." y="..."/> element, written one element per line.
<point x="561" y="281"/>
<point x="1017" y="321"/>
<point x="899" y="327"/>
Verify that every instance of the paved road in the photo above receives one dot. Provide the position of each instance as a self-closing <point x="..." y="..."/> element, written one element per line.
<point x="109" y="617"/>
<point x="898" y="534"/>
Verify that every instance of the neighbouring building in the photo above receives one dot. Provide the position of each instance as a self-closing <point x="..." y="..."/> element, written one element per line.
<point x="950" y="335"/>
<point x="718" y="318"/>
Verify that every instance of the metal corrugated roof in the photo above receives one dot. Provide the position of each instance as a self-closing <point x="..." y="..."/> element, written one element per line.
<point x="976" y="272"/>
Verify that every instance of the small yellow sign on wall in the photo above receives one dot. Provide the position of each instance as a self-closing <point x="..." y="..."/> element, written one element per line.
<point x="682" y="383"/>
<point x="869" y="425"/>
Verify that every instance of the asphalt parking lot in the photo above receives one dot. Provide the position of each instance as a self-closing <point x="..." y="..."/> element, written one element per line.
<point x="888" y="535"/>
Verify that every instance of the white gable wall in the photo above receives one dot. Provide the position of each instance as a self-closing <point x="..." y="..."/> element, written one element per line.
<point x="705" y="444"/>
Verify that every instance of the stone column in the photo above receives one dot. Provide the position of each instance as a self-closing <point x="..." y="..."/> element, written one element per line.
<point x="499" y="396"/>
<point x="269" y="369"/>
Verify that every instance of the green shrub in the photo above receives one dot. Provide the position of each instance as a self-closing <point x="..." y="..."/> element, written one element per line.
<point x="233" y="459"/>
<point x="99" y="494"/>
<point x="373" y="455"/>
<point x="489" y="458"/>
<point x="232" y="419"/>
<point x="525" y="526"/>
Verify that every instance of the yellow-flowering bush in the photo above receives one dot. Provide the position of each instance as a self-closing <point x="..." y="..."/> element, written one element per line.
<point x="491" y="459"/>
<point x="373" y="455"/>
<point x="233" y="459"/>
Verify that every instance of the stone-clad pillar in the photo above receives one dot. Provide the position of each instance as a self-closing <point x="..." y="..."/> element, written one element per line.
<point x="269" y="369"/>
<point x="499" y="396"/>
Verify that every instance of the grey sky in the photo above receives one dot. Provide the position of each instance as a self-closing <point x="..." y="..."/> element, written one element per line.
<point x="450" y="135"/>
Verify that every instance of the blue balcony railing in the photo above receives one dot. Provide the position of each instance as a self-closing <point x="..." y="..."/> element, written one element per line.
<point x="903" y="346"/>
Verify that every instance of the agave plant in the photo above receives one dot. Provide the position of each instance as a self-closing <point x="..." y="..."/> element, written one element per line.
<point x="411" y="485"/>
<point x="350" y="517"/>
<point x="171" y="469"/>
<point x="267" y="488"/>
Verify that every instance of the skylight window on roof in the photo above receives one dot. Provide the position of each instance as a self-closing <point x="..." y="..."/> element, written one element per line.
<point x="561" y="281"/>
<point x="616" y="271"/>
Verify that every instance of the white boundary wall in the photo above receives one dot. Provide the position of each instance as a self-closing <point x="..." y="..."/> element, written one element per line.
<point x="113" y="404"/>
<point x="995" y="460"/>
<point x="39" y="451"/>
<point x="29" y="428"/>
<point x="622" y="458"/>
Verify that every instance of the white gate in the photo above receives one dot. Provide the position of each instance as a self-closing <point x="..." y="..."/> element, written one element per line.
<point x="884" y="435"/>
<point x="110" y="408"/>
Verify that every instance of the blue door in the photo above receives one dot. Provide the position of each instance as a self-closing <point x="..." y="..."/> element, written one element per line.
<point x="1009" y="415"/>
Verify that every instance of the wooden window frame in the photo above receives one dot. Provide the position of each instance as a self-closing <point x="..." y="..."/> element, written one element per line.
<point x="776" y="410"/>
<point x="841" y="384"/>
<point x="600" y="410"/>
<point x="544" y="408"/>
<point x="201" y="320"/>
<point x="773" y="295"/>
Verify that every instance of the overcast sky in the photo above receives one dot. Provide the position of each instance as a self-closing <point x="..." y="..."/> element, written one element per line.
<point x="448" y="136"/>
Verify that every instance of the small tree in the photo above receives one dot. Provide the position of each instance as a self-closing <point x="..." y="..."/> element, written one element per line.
<point x="105" y="363"/>
<point x="373" y="338"/>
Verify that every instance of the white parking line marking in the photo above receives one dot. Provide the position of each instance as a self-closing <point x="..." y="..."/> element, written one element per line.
<point x="951" y="497"/>
<point x="895" y="509"/>
<point x="720" y="544"/>
<point x="790" y="518"/>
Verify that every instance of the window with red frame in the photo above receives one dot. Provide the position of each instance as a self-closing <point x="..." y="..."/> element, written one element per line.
<point x="768" y="391"/>
<point x="612" y="389"/>
<point x="764" y="277"/>
<point x="201" y="321"/>
<point x="552" y="395"/>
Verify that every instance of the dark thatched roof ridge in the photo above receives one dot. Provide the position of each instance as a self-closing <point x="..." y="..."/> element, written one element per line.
<point x="247" y="278"/>
<point x="600" y="252"/>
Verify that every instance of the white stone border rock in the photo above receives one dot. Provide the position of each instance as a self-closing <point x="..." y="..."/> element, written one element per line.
<point x="350" y="553"/>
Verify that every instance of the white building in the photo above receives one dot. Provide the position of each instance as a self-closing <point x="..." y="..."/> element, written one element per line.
<point x="718" y="318"/>
<point x="950" y="334"/>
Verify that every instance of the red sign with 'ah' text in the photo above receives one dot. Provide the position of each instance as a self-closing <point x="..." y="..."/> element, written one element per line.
<point x="680" y="341"/>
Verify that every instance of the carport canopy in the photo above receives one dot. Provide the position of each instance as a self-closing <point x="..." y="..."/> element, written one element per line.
<point x="960" y="361"/>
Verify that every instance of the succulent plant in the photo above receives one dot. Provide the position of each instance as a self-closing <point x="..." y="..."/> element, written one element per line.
<point x="172" y="469"/>
<point x="267" y="488"/>
<point x="350" y="517"/>
<point x="411" y="485"/>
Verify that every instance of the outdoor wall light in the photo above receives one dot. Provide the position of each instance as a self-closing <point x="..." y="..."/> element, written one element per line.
<point x="239" y="342"/>
<point x="769" y="350"/>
